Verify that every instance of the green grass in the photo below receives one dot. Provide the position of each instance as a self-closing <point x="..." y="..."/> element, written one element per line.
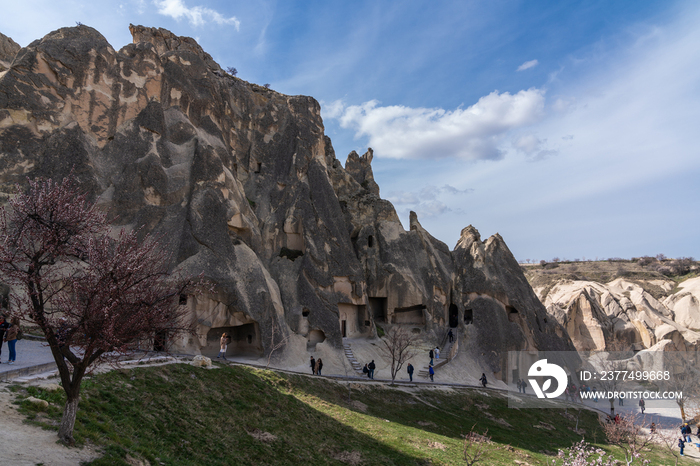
<point x="181" y="415"/>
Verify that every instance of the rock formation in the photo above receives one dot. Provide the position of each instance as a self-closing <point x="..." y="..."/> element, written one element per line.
<point x="8" y="50"/>
<point x="245" y="186"/>
<point x="622" y="315"/>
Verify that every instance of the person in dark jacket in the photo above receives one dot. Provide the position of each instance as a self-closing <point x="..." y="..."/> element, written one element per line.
<point x="11" y="339"/>
<point x="431" y="372"/>
<point x="371" y="366"/>
<point x="313" y="365"/>
<point x="365" y="370"/>
<point x="409" y="369"/>
<point x="450" y="335"/>
<point x="432" y="355"/>
<point x="483" y="380"/>
<point x="4" y="325"/>
<point x="319" y="366"/>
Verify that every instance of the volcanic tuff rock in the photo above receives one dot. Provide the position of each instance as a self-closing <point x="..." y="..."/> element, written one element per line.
<point x="621" y="314"/>
<point x="8" y="50"/>
<point x="246" y="187"/>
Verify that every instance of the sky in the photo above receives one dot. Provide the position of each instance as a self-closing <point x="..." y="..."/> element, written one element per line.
<point x="566" y="127"/>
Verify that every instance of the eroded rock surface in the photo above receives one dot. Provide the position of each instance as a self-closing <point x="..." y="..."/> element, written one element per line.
<point x="621" y="315"/>
<point x="246" y="188"/>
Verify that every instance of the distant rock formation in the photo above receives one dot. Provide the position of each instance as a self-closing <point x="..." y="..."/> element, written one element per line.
<point x="245" y="186"/>
<point x="622" y="315"/>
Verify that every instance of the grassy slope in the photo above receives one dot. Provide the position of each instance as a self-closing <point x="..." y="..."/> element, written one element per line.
<point x="181" y="415"/>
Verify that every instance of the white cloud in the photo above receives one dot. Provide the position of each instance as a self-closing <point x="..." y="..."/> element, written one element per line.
<point x="426" y="202"/>
<point x="473" y="133"/>
<point x="528" y="64"/>
<point x="528" y="143"/>
<point x="197" y="16"/>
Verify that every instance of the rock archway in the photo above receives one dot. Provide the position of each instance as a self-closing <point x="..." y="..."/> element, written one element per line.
<point x="245" y="341"/>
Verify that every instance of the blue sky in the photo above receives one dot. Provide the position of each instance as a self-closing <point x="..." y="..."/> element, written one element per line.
<point x="567" y="127"/>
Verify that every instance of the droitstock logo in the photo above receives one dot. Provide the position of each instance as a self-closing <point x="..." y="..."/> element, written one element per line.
<point x="542" y="368"/>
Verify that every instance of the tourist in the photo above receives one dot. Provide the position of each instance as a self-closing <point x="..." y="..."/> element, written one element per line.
<point x="437" y="352"/>
<point x="223" y="345"/>
<point x="11" y="339"/>
<point x="520" y="385"/>
<point x="365" y="370"/>
<point x="313" y="365"/>
<point x="450" y="335"/>
<point x="483" y="380"/>
<point x="642" y="405"/>
<point x="409" y="369"/>
<point x="371" y="366"/>
<point x="319" y="366"/>
<point x="431" y="372"/>
<point x="652" y="429"/>
<point x="432" y="355"/>
<point x="4" y="325"/>
<point x="524" y="386"/>
<point x="681" y="444"/>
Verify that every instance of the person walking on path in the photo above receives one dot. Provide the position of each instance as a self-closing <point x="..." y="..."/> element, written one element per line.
<point x="432" y="355"/>
<point x="223" y="345"/>
<point x="483" y="380"/>
<point x="365" y="370"/>
<point x="642" y="405"/>
<point x="313" y="365"/>
<point x="681" y="444"/>
<point x="450" y="335"/>
<point x="437" y="352"/>
<point x="524" y="383"/>
<point x="319" y="366"/>
<point x="520" y="386"/>
<point x="409" y="369"/>
<point x="4" y="325"/>
<point x="688" y="431"/>
<point x="431" y="372"/>
<point x="11" y="339"/>
<point x="371" y="366"/>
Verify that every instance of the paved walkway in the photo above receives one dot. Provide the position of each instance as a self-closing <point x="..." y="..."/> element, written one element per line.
<point x="32" y="356"/>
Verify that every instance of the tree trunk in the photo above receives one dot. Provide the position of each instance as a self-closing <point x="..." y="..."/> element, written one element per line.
<point x="65" y="431"/>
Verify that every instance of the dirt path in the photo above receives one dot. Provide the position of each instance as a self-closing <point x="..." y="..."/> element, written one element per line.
<point x="24" y="444"/>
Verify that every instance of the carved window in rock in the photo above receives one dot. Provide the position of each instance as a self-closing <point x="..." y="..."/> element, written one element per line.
<point x="468" y="316"/>
<point x="258" y="167"/>
<point x="183" y="299"/>
<point x="409" y="315"/>
<point x="370" y="241"/>
<point x="378" y="307"/>
<point x="513" y="314"/>
<point x="454" y="315"/>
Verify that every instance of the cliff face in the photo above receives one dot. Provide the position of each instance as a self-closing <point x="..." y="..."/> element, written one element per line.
<point x="245" y="186"/>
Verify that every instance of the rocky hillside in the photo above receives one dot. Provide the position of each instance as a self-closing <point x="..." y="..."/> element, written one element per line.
<point x="640" y="304"/>
<point x="245" y="186"/>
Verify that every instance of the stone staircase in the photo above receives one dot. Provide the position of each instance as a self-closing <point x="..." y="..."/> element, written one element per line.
<point x="351" y="357"/>
<point x="444" y="358"/>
